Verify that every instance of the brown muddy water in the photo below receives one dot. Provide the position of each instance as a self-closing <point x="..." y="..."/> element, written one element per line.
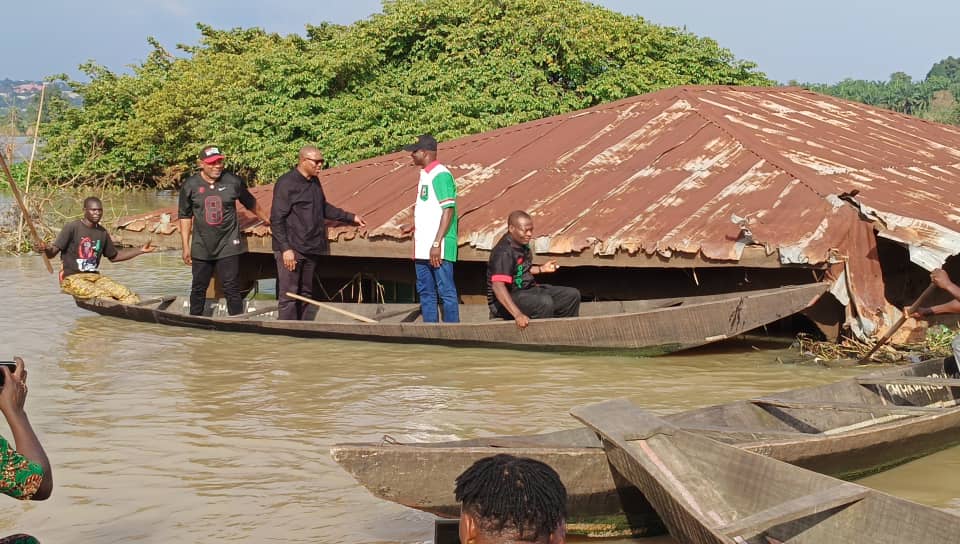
<point x="161" y="434"/>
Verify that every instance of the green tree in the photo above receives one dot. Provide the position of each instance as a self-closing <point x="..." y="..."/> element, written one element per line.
<point x="451" y="67"/>
<point x="948" y="68"/>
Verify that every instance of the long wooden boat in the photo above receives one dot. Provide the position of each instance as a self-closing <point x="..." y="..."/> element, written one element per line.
<point x="645" y="327"/>
<point x="846" y="429"/>
<point x="707" y="492"/>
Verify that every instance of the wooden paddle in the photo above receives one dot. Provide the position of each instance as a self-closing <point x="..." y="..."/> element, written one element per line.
<point x="896" y="326"/>
<point x="358" y="317"/>
<point x="26" y="213"/>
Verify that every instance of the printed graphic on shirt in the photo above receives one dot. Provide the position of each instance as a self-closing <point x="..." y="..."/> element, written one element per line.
<point x="87" y="253"/>
<point x="518" y="275"/>
<point x="213" y="210"/>
<point x="424" y="192"/>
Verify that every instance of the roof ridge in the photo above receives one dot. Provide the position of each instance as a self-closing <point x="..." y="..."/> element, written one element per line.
<point x="763" y="151"/>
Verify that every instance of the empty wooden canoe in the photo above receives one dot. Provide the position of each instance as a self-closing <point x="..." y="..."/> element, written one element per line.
<point x="707" y="492"/>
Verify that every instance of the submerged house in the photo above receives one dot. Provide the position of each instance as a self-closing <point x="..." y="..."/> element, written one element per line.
<point x="689" y="190"/>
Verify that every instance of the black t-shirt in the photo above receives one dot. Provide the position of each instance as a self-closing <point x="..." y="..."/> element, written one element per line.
<point x="81" y="247"/>
<point x="511" y="265"/>
<point x="213" y="208"/>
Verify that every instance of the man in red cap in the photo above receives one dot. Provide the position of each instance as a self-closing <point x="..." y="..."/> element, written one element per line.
<point x="208" y="212"/>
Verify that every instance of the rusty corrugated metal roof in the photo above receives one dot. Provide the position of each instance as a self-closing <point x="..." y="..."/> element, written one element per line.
<point x="671" y="172"/>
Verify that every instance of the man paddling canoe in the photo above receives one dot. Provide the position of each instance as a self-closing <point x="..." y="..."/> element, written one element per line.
<point x="941" y="279"/>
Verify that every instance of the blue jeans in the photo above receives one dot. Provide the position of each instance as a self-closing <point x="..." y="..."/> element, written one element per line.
<point x="434" y="283"/>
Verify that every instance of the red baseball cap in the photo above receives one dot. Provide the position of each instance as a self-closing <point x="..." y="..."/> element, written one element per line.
<point x="210" y="154"/>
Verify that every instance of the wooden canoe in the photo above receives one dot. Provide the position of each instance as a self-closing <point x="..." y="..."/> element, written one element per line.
<point x="847" y="429"/>
<point x="707" y="492"/>
<point x="644" y="327"/>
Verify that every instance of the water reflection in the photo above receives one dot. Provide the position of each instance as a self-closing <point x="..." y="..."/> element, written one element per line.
<point x="161" y="434"/>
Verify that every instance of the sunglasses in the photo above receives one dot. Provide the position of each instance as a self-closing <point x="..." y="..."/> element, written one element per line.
<point x="314" y="161"/>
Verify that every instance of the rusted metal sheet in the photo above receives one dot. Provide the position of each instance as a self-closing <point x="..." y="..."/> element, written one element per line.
<point x="705" y="171"/>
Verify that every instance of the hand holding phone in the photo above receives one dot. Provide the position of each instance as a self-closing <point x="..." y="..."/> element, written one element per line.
<point x="11" y="366"/>
<point x="13" y="393"/>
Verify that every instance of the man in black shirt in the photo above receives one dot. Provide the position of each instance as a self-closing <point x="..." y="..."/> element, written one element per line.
<point x="208" y="212"/>
<point x="512" y="290"/>
<point x="81" y="244"/>
<point x="299" y="228"/>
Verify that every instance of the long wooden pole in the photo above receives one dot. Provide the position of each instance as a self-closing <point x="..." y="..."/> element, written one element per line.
<point x="26" y="213"/>
<point x="36" y="138"/>
<point x="358" y="317"/>
<point x="33" y="154"/>
<point x="903" y="319"/>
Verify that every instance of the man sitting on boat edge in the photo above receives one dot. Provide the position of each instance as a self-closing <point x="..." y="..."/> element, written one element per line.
<point x="81" y="244"/>
<point x="512" y="290"/>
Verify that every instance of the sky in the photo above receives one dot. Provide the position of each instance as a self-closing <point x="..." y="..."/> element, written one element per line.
<point x="815" y="41"/>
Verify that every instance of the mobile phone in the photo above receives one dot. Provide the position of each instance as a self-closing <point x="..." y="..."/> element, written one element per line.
<point x="11" y="365"/>
<point x="446" y="531"/>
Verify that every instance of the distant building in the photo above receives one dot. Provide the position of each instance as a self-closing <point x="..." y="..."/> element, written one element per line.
<point x="28" y="88"/>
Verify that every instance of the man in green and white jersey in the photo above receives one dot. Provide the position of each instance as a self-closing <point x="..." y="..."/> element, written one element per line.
<point x="435" y="233"/>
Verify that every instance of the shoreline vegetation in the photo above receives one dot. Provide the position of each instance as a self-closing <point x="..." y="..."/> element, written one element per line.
<point x="51" y="207"/>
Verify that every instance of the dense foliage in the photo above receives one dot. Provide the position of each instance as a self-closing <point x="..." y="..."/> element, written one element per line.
<point x="451" y="67"/>
<point x="936" y="97"/>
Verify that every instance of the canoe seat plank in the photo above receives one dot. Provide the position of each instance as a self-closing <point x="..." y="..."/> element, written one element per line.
<point x="795" y="509"/>
<point x="908" y="380"/>
<point x="845" y="406"/>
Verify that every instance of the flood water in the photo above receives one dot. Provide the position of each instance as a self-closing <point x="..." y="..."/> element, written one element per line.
<point x="161" y="434"/>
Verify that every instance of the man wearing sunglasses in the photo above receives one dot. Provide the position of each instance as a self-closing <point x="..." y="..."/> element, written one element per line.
<point x="299" y="225"/>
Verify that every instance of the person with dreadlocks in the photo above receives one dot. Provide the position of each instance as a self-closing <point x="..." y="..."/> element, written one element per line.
<point x="506" y="499"/>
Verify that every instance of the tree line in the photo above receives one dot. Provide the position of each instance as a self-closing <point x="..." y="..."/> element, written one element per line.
<point x="450" y="67"/>
<point x="936" y="97"/>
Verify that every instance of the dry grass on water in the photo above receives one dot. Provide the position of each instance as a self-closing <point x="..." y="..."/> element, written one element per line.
<point x="936" y="344"/>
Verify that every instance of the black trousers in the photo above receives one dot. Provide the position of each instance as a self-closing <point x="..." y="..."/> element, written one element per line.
<point x="228" y="271"/>
<point x="542" y="301"/>
<point x="299" y="281"/>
